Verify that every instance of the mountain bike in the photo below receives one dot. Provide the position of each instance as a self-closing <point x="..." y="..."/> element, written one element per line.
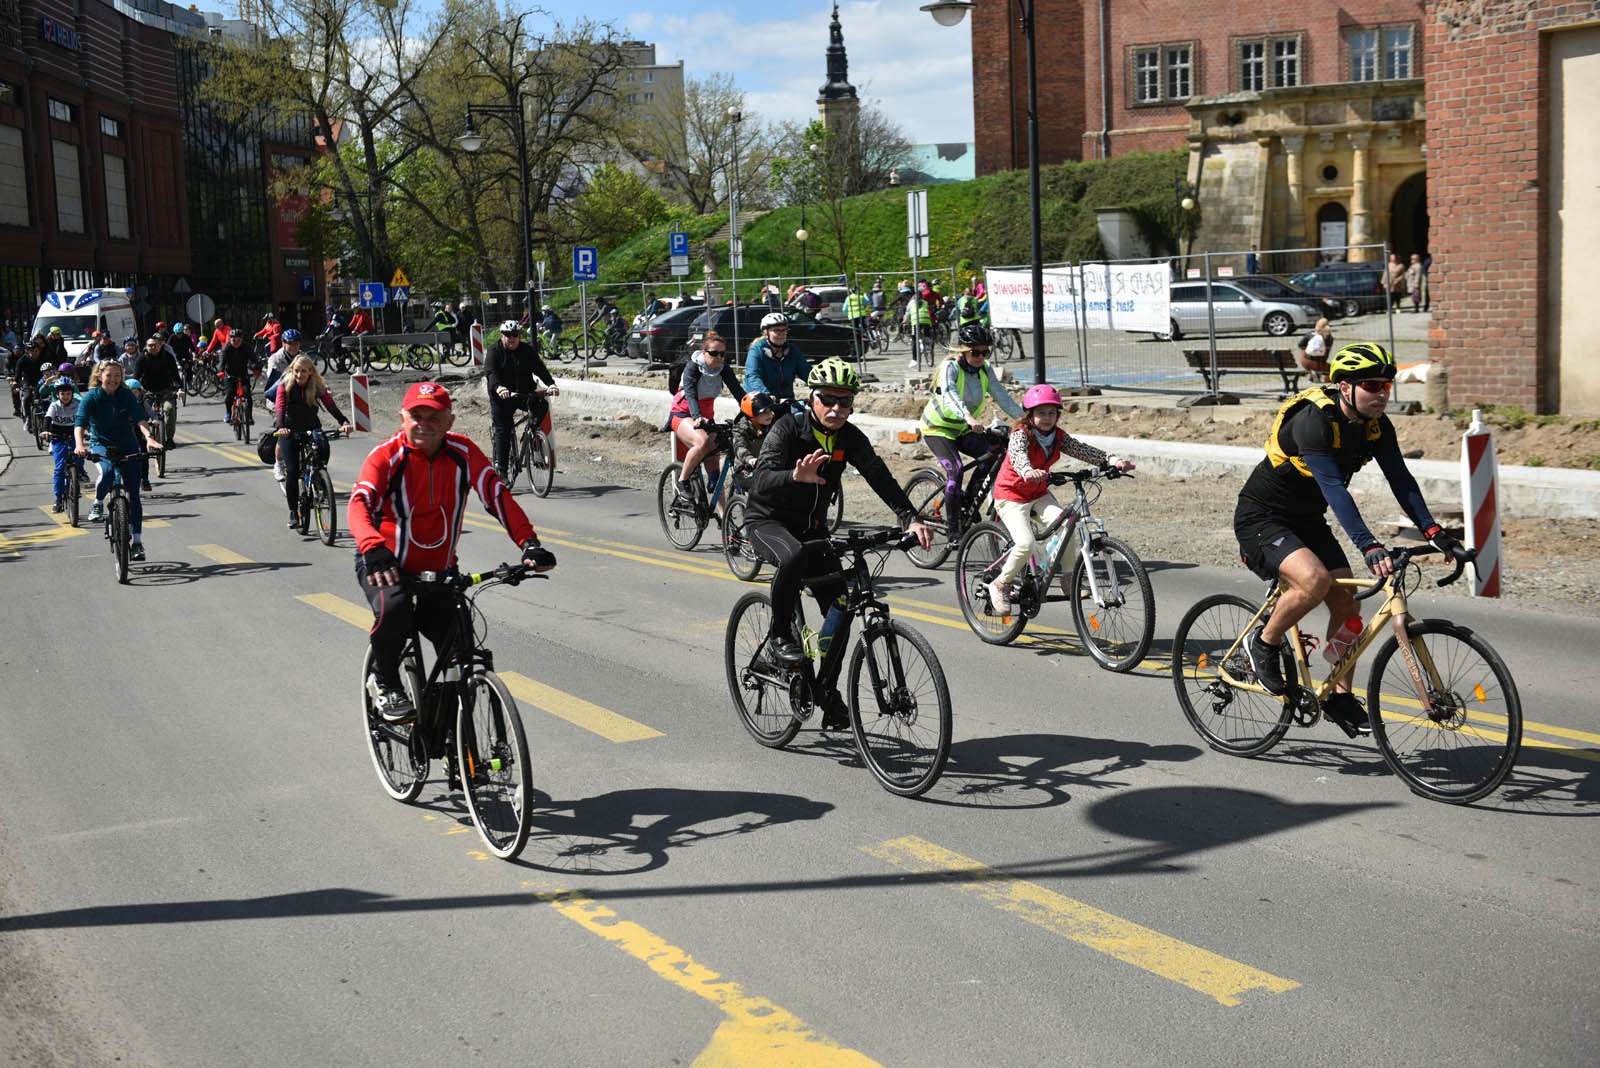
<point x="241" y="412"/>
<point x="897" y="699"/>
<point x="165" y="425"/>
<point x="33" y="419"/>
<point x="1443" y="708"/>
<point x="684" y="524"/>
<point x="419" y="357"/>
<point x="1108" y="590"/>
<point x="77" y="478"/>
<point x="533" y="450"/>
<point x="118" y="510"/>
<point x="465" y="716"/>
<point x="736" y="548"/>
<point x="925" y="487"/>
<point x="316" y="485"/>
<point x="564" y="349"/>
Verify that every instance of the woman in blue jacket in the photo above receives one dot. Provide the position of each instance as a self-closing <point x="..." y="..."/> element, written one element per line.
<point x="110" y="417"/>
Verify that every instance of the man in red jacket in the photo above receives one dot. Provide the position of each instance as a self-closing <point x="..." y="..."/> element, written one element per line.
<point x="405" y="513"/>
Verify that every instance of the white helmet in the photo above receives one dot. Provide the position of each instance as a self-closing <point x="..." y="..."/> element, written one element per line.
<point x="511" y="326"/>
<point x="772" y="319"/>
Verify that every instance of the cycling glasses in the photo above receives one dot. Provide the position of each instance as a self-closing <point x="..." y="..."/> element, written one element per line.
<point x="843" y="401"/>
<point x="1375" y="385"/>
<point x="715" y="352"/>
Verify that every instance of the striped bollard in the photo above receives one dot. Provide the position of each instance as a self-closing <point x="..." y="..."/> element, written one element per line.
<point x="360" y="403"/>
<point x="477" y="344"/>
<point x="1480" y="505"/>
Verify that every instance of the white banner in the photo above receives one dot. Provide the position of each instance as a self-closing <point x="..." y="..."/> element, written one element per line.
<point x="1118" y="296"/>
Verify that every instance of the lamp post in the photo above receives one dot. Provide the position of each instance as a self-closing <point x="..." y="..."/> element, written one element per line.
<point x="805" y="195"/>
<point x="950" y="13"/>
<point x="472" y="141"/>
<point x="1182" y="203"/>
<point x="735" y="251"/>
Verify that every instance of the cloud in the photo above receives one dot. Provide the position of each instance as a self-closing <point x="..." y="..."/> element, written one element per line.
<point x="918" y="72"/>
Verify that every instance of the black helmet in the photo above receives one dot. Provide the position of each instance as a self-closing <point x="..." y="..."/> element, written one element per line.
<point x="976" y="336"/>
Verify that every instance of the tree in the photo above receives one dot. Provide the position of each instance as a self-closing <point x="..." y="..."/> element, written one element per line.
<point x="616" y="205"/>
<point x="691" y="138"/>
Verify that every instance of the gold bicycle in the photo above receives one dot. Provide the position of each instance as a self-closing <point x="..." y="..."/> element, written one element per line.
<point x="1442" y="705"/>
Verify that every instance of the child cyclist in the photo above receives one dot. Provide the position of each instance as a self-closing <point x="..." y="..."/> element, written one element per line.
<point x="61" y="414"/>
<point x="1021" y="489"/>
<point x="756" y="413"/>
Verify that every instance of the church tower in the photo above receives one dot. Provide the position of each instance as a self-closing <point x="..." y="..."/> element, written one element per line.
<point x="837" y="103"/>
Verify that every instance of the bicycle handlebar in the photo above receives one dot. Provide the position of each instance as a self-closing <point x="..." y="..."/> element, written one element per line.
<point x="862" y="540"/>
<point x="116" y="457"/>
<point x="1406" y="553"/>
<point x="1061" y="478"/>
<point x="510" y="574"/>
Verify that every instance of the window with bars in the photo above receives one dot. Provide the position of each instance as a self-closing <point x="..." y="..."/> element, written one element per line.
<point x="1382" y="53"/>
<point x="1162" y="73"/>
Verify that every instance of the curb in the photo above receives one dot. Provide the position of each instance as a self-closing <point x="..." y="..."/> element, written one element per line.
<point x="1525" y="492"/>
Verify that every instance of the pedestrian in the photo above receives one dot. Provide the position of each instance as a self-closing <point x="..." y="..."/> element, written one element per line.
<point x="1252" y="263"/>
<point x="1396" y="278"/>
<point x="1314" y="349"/>
<point x="1427" y="291"/>
<point x="1414" y="282"/>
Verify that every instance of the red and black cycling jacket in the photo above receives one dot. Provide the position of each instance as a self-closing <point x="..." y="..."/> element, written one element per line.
<point x="415" y="505"/>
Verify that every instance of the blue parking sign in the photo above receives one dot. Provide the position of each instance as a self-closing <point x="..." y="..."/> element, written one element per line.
<point x="585" y="263"/>
<point x="677" y="243"/>
<point x="372" y="295"/>
<point x="308" y="285"/>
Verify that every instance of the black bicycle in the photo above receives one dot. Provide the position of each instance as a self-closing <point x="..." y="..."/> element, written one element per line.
<point x="464" y="716"/>
<point x="532" y="450"/>
<point x="897" y="698"/>
<point x="925" y="487"/>
<point x="77" y="478"/>
<point x="118" y="510"/>
<point x="317" y="498"/>
<point x="165" y="424"/>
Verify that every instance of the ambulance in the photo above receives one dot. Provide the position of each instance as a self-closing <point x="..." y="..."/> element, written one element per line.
<point x="80" y="312"/>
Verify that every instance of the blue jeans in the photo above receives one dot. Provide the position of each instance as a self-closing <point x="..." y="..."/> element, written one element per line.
<point x="129" y="469"/>
<point x="61" y="449"/>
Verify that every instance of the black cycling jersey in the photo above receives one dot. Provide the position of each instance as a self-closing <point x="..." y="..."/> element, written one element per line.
<point x="802" y="507"/>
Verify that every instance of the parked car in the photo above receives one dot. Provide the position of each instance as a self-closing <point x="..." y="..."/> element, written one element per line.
<point x="1357" y="286"/>
<point x="1274" y="288"/>
<point x="832" y="297"/>
<point x="816" y="338"/>
<point x="661" y="339"/>
<point x="1236" y="310"/>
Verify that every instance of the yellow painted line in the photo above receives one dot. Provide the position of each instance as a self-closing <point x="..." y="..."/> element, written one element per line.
<point x="1198" y="969"/>
<point x="357" y="615"/>
<point x="58" y="518"/>
<point x="575" y="710"/>
<point x="217" y="554"/>
<point x="35" y="538"/>
<point x="1592" y="755"/>
<point x="756" y="1032"/>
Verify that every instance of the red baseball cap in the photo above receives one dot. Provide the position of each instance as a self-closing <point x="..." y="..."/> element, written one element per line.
<point x="427" y="395"/>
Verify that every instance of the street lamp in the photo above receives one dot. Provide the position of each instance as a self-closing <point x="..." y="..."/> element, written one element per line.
<point x="735" y="251"/>
<point x="1183" y="201"/>
<point x="800" y="235"/>
<point x="472" y="141"/>
<point x="805" y="195"/>
<point x="950" y="13"/>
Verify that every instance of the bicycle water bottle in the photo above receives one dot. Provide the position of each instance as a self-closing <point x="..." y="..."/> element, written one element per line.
<point x="1342" y="642"/>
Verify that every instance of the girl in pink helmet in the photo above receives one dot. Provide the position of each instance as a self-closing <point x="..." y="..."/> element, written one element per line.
<point x="1021" y="492"/>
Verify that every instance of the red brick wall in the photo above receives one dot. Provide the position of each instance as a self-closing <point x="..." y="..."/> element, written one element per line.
<point x="1487" y="133"/>
<point x="1000" y="84"/>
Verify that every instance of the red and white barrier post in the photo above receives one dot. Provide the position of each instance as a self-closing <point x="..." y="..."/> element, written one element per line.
<point x="1480" y="504"/>
<point x="476" y="334"/>
<point x="360" y="403"/>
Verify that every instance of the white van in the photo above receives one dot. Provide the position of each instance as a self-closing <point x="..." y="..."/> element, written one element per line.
<point x="79" y="312"/>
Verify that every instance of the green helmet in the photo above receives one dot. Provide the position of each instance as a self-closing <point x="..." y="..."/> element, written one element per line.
<point x="834" y="373"/>
<point x="1361" y="360"/>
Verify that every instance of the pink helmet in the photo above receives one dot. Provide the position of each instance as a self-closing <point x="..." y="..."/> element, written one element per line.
<point x="1043" y="393"/>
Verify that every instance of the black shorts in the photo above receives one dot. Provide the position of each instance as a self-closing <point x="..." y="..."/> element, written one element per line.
<point x="1266" y="540"/>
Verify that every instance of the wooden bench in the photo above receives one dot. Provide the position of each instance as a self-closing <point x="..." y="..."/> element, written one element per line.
<point x="1280" y="362"/>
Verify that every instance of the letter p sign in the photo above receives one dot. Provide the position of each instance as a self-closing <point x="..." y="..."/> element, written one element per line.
<point x="585" y="263"/>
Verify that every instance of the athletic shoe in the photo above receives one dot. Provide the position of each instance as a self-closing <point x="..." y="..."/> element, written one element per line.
<point x="389" y="700"/>
<point x="1345" y="711"/>
<point x="96" y="512"/>
<point x="58" y="506"/>
<point x="784" y="652"/>
<point x="1266" y="663"/>
<point x="136" y="552"/>
<point x="835" y="713"/>
<point x="999" y="598"/>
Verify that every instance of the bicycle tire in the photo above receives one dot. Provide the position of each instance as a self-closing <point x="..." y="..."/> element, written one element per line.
<point x="492" y="760"/>
<point x="1001" y="346"/>
<point x="540" y="462"/>
<point x="1117" y="632"/>
<point x="926" y="490"/>
<point x="420" y="357"/>
<point x="121" y="537"/>
<point x="904" y="738"/>
<point x="1231" y="720"/>
<point x="763" y="707"/>
<point x="982" y="553"/>
<point x="736" y="549"/>
<point x="1437" y="752"/>
<point x="74" y="495"/>
<point x="161" y="458"/>
<point x="41" y="439"/>
<point x="836" y="510"/>
<point x="683" y="529"/>
<point x="402" y="771"/>
<point x="513" y="460"/>
<point x="325" y="506"/>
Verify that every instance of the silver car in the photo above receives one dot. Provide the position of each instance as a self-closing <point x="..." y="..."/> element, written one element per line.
<point x="1236" y="310"/>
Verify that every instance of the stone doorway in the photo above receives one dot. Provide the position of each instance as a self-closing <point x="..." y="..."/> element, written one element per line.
<point x="1408" y="217"/>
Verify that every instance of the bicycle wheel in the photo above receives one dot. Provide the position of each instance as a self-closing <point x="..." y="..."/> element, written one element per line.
<point x="926" y="490"/>
<point x="763" y="706"/>
<point x="681" y="524"/>
<point x="419" y="357"/>
<point x="539" y="460"/>
<point x="1464" y="743"/>
<point x="1116" y="627"/>
<point x="238" y="420"/>
<point x="836" y="510"/>
<point x="492" y="759"/>
<point x="904" y="731"/>
<point x="1231" y="720"/>
<point x="121" y="536"/>
<point x="740" y="554"/>
<point x="74" y="495"/>
<point x="401" y="769"/>
<point x="514" y="458"/>
<point x="41" y="439"/>
<point x="979" y="559"/>
<point x="325" y="505"/>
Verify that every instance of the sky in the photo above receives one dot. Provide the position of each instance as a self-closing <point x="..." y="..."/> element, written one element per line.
<point x="918" y="72"/>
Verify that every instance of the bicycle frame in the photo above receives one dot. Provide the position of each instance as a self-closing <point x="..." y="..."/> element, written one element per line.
<point x="1077" y="520"/>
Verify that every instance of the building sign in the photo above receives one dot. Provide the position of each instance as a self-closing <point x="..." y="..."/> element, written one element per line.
<point x="58" y="34"/>
<point x="291" y="209"/>
<point x="296" y="261"/>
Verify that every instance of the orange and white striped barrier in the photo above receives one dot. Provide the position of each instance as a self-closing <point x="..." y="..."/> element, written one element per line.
<point x="1480" y="504"/>
<point x="476" y="334"/>
<point x="360" y="403"/>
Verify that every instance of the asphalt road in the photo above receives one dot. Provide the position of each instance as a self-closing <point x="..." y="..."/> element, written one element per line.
<point x="197" y="866"/>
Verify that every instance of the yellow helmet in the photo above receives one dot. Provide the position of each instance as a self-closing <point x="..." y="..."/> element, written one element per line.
<point x="834" y="373"/>
<point x="1361" y="360"/>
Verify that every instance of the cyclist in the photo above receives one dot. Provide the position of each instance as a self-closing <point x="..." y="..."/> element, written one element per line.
<point x="219" y="336"/>
<point x="279" y="361"/>
<point x="444" y="319"/>
<point x="920" y="312"/>
<point x="361" y="322"/>
<point x="757" y="411"/>
<point x="796" y="477"/>
<point x="1021" y="490"/>
<point x="653" y="306"/>
<point x="856" y="309"/>
<point x="550" y="327"/>
<point x="60" y="416"/>
<point x="694" y="405"/>
<point x="26" y="376"/>
<point x="272" y="330"/>
<point x="602" y="311"/>
<point x="134" y="386"/>
<point x="406" y="512"/>
<point x="162" y="376"/>
<point x="969" y="310"/>
<point x="772" y="364"/>
<point x="950" y="422"/>
<point x="510" y="369"/>
<point x="103" y="348"/>
<point x="182" y="343"/>
<point x="110" y="417"/>
<point x="1319" y="440"/>
<point x="235" y="372"/>
<point x="301" y="390"/>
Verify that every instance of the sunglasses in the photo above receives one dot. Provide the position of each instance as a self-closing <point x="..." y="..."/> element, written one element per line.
<point x="978" y="352"/>
<point x="716" y="352"/>
<point x="1375" y="385"/>
<point x="843" y="401"/>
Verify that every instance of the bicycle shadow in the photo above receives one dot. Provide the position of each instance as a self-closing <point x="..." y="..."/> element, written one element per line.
<point x="178" y="573"/>
<point x="1549" y="782"/>
<point x="1027" y="771"/>
<point x="579" y="493"/>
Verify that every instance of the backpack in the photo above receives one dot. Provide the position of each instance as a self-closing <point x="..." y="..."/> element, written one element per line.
<point x="675" y="374"/>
